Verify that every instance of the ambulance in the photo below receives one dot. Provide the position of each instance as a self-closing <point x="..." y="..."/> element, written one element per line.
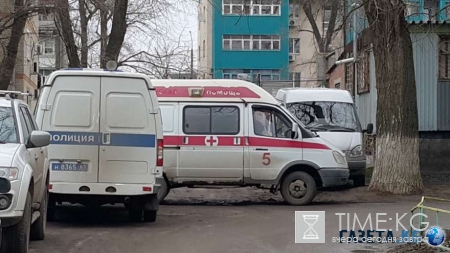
<point x="233" y="132"/>
<point x="106" y="140"/>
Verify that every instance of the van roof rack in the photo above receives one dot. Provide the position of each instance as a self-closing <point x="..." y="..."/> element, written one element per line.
<point x="10" y="94"/>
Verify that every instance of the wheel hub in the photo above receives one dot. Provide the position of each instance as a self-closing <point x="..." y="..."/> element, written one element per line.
<point x="297" y="189"/>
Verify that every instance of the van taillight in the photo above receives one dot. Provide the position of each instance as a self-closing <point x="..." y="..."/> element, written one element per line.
<point x="160" y="152"/>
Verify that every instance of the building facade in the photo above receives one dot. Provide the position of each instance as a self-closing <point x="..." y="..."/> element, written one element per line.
<point x="25" y="76"/>
<point x="265" y="41"/>
<point x="52" y="51"/>
<point x="429" y="27"/>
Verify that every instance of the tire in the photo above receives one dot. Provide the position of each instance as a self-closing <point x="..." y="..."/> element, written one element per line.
<point x="359" y="181"/>
<point x="51" y="209"/>
<point x="298" y="188"/>
<point x="150" y="216"/>
<point x="38" y="227"/>
<point x="163" y="191"/>
<point x="16" y="238"/>
<point x="136" y="215"/>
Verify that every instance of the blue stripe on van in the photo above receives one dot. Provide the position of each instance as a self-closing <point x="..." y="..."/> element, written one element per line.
<point x="132" y="140"/>
<point x="116" y="139"/>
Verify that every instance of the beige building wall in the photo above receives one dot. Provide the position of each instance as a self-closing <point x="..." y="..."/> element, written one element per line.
<point x="306" y="61"/>
<point x="205" y="40"/>
<point x="25" y="73"/>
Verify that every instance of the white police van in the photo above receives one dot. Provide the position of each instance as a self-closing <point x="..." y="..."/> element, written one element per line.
<point x="107" y="142"/>
<point x="232" y="132"/>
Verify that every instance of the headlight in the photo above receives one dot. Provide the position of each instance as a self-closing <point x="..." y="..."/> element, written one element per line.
<point x="339" y="158"/>
<point x="9" y="173"/>
<point x="356" y="151"/>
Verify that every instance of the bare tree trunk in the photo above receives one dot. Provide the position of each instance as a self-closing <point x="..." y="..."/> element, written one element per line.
<point x="397" y="167"/>
<point x="9" y="60"/>
<point x="103" y="33"/>
<point x="84" y="33"/>
<point x="118" y="30"/>
<point x="66" y="31"/>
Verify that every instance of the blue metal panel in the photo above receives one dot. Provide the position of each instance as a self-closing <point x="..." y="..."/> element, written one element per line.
<point x="425" y="48"/>
<point x="251" y="25"/>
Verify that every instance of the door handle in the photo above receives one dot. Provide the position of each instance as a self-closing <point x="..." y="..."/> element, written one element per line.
<point x="262" y="149"/>
<point x="106" y="138"/>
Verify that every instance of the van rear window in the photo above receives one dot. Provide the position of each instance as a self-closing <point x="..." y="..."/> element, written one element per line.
<point x="223" y="120"/>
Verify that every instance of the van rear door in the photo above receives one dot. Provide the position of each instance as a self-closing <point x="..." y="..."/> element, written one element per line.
<point x="71" y="115"/>
<point x="128" y="132"/>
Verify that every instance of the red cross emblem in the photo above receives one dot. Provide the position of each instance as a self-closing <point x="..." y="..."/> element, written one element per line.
<point x="211" y="140"/>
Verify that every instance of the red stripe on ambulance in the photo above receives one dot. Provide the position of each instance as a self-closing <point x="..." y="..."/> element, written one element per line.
<point x="208" y="92"/>
<point x="214" y="140"/>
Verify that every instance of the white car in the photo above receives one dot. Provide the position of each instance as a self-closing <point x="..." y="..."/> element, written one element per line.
<point x="23" y="160"/>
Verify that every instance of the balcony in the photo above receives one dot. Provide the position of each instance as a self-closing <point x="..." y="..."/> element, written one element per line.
<point x="422" y="11"/>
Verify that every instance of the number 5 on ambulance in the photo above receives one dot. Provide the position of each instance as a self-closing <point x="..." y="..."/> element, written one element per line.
<point x="233" y="132"/>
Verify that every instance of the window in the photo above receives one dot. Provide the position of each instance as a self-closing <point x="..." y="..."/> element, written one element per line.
<point x="271" y="123"/>
<point x="294" y="46"/>
<point x="295" y="78"/>
<point x="444" y="57"/>
<point x="8" y="131"/>
<point x="49" y="47"/>
<point x="25" y="128"/>
<point x="265" y="74"/>
<point x="251" y="7"/>
<point x="29" y="119"/>
<point x="294" y="11"/>
<point x="251" y="42"/>
<point x="223" y="120"/>
<point x="326" y="18"/>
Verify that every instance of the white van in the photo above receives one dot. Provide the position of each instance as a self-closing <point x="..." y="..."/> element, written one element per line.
<point x="332" y="114"/>
<point x="232" y="132"/>
<point x="107" y="142"/>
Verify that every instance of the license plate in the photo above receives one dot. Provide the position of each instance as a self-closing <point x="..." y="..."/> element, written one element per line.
<point x="69" y="167"/>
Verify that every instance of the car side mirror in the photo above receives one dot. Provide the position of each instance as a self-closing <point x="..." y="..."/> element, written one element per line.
<point x="369" y="129"/>
<point x="294" y="132"/>
<point x="38" y="139"/>
<point x="5" y="185"/>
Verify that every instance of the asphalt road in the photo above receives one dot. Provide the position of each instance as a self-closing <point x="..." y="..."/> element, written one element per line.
<point x="205" y="227"/>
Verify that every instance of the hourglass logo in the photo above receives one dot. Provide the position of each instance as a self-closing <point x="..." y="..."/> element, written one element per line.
<point x="310" y="227"/>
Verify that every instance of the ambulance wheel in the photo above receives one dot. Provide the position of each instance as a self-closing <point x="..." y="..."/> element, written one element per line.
<point x="298" y="188"/>
<point x="163" y="191"/>
<point x="150" y="216"/>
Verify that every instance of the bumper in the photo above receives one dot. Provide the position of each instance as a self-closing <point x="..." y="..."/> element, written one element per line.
<point x="333" y="176"/>
<point x="357" y="167"/>
<point x="103" y="188"/>
<point x="10" y="218"/>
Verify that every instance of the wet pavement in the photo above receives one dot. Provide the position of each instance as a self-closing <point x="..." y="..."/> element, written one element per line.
<point x="212" y="225"/>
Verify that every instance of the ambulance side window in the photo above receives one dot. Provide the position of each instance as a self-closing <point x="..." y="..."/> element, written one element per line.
<point x="214" y="120"/>
<point x="270" y="123"/>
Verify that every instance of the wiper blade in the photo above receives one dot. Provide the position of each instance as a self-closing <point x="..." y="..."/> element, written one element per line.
<point x="345" y="129"/>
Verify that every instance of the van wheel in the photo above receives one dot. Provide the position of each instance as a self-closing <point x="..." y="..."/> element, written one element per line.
<point x="150" y="216"/>
<point x="16" y="238"/>
<point x="359" y="181"/>
<point x="298" y="188"/>
<point x="38" y="227"/>
<point x="136" y="215"/>
<point x="163" y="191"/>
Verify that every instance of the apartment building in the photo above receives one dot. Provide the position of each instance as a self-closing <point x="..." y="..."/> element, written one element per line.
<point x="262" y="41"/>
<point x="52" y="51"/>
<point x="25" y="76"/>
